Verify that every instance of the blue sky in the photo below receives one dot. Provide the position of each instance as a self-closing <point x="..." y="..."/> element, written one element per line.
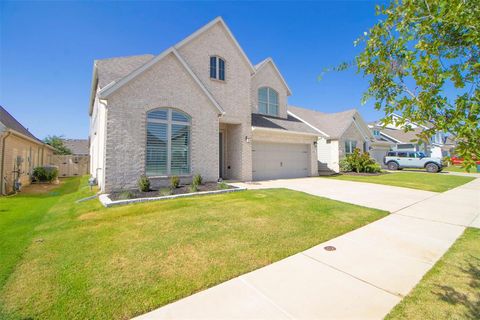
<point x="47" y="50"/>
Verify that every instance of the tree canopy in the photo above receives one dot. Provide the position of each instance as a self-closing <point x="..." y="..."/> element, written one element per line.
<point x="57" y="143"/>
<point x="422" y="61"/>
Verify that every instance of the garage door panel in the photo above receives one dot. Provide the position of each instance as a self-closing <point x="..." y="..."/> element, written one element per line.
<point x="280" y="160"/>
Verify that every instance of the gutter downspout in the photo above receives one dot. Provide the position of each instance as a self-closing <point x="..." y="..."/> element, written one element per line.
<point x="2" y="163"/>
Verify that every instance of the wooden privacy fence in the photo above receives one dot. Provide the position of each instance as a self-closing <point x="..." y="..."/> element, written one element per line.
<point x="71" y="165"/>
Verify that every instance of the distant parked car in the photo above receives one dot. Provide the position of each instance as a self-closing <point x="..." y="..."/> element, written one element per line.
<point x="457" y="161"/>
<point x="397" y="160"/>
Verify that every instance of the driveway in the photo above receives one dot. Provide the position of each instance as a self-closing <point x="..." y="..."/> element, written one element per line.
<point x="369" y="272"/>
<point x="388" y="198"/>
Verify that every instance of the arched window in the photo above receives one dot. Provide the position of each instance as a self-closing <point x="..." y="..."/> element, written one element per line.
<point x="217" y="68"/>
<point x="268" y="101"/>
<point x="168" y="143"/>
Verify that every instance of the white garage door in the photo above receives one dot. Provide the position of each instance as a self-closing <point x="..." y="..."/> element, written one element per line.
<point x="279" y="160"/>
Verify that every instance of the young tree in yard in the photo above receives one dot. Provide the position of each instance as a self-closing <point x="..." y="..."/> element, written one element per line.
<point x="422" y="61"/>
<point x="57" y="143"/>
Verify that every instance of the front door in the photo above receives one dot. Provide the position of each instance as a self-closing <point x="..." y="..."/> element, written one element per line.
<point x="220" y="153"/>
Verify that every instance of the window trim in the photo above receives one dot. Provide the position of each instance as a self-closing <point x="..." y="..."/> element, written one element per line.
<point x="216" y="68"/>
<point x="169" y="122"/>
<point x="350" y="143"/>
<point x="268" y="101"/>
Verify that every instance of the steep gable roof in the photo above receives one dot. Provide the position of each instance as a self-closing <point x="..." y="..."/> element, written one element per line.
<point x="332" y="124"/>
<point x="265" y="62"/>
<point x="113" y="86"/>
<point x="11" y="123"/>
<point x="217" y="20"/>
<point x="114" y="69"/>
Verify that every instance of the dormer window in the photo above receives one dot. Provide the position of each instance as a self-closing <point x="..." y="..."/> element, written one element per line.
<point x="217" y="68"/>
<point x="268" y="101"/>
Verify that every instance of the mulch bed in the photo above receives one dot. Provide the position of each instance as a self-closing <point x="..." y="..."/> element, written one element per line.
<point x="183" y="189"/>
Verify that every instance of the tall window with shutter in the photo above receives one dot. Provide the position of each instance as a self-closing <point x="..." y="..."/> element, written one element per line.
<point x="168" y="143"/>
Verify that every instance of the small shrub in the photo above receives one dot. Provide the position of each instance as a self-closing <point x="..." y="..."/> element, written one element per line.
<point x="174" y="182"/>
<point x="45" y="174"/>
<point x="125" y="195"/>
<point x="373" y="168"/>
<point x="345" y="165"/>
<point x="222" y="185"/>
<point x="197" y="180"/>
<point x="144" y="183"/>
<point x="193" y="187"/>
<point x="359" y="162"/>
<point x="165" y="192"/>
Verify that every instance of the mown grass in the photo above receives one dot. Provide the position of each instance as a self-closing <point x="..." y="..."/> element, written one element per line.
<point x="460" y="169"/>
<point x="422" y="181"/>
<point x="82" y="261"/>
<point x="19" y="215"/>
<point x="451" y="289"/>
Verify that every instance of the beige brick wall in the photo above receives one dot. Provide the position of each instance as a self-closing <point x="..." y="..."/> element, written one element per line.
<point x="233" y="94"/>
<point x="166" y="84"/>
<point x="268" y="77"/>
<point x="33" y="155"/>
<point x="351" y="133"/>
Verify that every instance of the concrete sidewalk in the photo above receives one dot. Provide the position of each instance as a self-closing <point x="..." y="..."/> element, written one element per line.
<point x="370" y="271"/>
<point x="378" y="196"/>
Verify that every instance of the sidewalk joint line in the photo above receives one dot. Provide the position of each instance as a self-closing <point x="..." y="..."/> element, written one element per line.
<point x="417" y="202"/>
<point x="266" y="298"/>
<point x="399" y="295"/>
<point x="430" y="220"/>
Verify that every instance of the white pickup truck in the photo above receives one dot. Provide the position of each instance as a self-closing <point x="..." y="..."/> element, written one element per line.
<point x="397" y="160"/>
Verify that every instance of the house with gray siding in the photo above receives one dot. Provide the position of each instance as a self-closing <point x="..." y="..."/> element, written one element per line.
<point x="339" y="134"/>
<point x="199" y="107"/>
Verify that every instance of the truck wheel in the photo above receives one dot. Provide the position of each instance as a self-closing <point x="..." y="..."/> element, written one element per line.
<point x="392" y="165"/>
<point x="432" y="167"/>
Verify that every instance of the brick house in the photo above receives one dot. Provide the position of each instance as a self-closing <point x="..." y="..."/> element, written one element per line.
<point x="198" y="107"/>
<point x="20" y="152"/>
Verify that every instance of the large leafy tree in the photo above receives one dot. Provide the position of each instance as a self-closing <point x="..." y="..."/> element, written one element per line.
<point x="57" y="143"/>
<point x="422" y="61"/>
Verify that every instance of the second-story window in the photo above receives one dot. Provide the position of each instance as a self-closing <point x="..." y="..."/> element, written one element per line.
<point x="217" y="68"/>
<point x="268" y="101"/>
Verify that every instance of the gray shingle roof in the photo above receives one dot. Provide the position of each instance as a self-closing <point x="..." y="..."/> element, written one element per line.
<point x="11" y="123"/>
<point x="77" y="146"/>
<point x="116" y="68"/>
<point x="289" y="124"/>
<point x="400" y="135"/>
<point x="333" y="124"/>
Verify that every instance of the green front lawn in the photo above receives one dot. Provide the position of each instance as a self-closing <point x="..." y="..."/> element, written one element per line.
<point x="451" y="289"/>
<point x="460" y="169"/>
<point x="82" y="261"/>
<point x="436" y="182"/>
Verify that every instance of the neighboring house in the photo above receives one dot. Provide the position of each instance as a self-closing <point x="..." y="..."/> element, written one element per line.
<point x="200" y="107"/>
<point x="20" y="153"/>
<point x="78" y="147"/>
<point x="339" y="134"/>
<point x="440" y="144"/>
